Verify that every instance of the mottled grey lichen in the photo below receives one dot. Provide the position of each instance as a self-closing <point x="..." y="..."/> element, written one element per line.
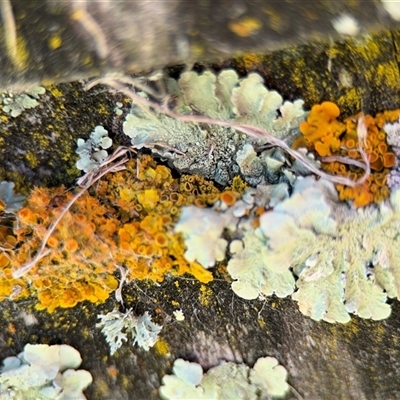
<point x="213" y="151"/>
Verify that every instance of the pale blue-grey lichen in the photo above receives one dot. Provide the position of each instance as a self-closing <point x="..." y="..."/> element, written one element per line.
<point x="116" y="326"/>
<point x="93" y="151"/>
<point x="266" y="380"/>
<point x="10" y="201"/>
<point x="15" y="103"/>
<point x="213" y="151"/>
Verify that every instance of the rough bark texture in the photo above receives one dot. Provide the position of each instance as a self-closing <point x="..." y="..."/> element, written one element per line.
<point x="359" y="360"/>
<point x="357" y="74"/>
<point x="61" y="41"/>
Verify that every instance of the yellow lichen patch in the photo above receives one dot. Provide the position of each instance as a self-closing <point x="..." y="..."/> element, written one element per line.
<point x="127" y="194"/>
<point x="27" y="216"/>
<point x="55" y="42"/>
<point x="245" y="26"/>
<point x="148" y="199"/>
<point x="161" y="347"/>
<point x="238" y="185"/>
<point x="323" y="133"/>
<point x="10" y="287"/>
<point x="253" y="61"/>
<point x="58" y="295"/>
<point x="7" y="240"/>
<point x="161" y="239"/>
<point x="200" y="273"/>
<point x="146" y="242"/>
<point x="205" y="295"/>
<point x="71" y="245"/>
<point x="4" y="260"/>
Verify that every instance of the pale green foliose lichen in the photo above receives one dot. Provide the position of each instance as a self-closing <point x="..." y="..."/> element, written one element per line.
<point x="202" y="229"/>
<point x="346" y="260"/>
<point x="393" y="8"/>
<point x="213" y="151"/>
<point x="43" y="372"/>
<point x="265" y="380"/>
<point x="15" y="103"/>
<point x="252" y="277"/>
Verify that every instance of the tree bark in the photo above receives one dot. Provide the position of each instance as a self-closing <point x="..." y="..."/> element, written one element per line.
<point x="358" y="360"/>
<point x="51" y="41"/>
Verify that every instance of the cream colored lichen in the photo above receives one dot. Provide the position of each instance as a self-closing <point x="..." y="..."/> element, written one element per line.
<point x="228" y="380"/>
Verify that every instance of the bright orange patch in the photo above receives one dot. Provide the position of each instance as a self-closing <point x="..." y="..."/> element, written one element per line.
<point x="327" y="136"/>
<point x="71" y="245"/>
<point x="27" y="216"/>
<point x="228" y="197"/>
<point x="53" y="242"/>
<point x="389" y="160"/>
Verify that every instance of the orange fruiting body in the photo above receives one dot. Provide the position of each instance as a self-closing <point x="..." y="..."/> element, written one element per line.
<point x="327" y="136"/>
<point x="127" y="219"/>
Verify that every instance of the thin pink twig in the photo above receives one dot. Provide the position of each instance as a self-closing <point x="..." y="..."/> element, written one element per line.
<point x="247" y="129"/>
<point x="89" y="179"/>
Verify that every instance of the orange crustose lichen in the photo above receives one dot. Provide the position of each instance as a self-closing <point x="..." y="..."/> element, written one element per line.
<point x="126" y="219"/>
<point x="148" y="199"/>
<point x="78" y="264"/>
<point x="327" y="136"/>
<point x="322" y="130"/>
